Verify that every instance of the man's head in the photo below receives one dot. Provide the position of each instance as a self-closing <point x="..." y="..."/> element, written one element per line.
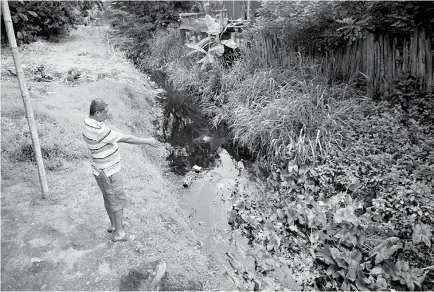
<point x="98" y="110"/>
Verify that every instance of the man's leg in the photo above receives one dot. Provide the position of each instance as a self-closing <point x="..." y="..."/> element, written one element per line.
<point x="102" y="185"/>
<point x="118" y="201"/>
<point x="111" y="216"/>
<point x="120" y="232"/>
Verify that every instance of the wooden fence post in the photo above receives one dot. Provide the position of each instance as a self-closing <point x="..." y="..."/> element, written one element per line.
<point x="370" y="64"/>
<point x="429" y="63"/>
<point x="26" y="98"/>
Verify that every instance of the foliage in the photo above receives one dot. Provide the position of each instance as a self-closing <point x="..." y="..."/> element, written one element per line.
<point x="135" y="22"/>
<point x="294" y="108"/>
<point x="361" y="212"/>
<point x="213" y="46"/>
<point x="327" y="25"/>
<point x="165" y="46"/>
<point x="278" y="113"/>
<point x="50" y="19"/>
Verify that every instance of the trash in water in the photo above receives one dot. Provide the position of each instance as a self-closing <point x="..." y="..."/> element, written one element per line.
<point x="188" y="180"/>
<point x="197" y="168"/>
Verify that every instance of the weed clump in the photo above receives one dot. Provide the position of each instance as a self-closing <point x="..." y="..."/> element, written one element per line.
<point x="282" y="113"/>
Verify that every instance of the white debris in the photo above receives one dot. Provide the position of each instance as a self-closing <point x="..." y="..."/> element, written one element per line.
<point x="197" y="168"/>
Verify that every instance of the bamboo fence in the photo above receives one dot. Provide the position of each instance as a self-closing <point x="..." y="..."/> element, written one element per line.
<point x="380" y="58"/>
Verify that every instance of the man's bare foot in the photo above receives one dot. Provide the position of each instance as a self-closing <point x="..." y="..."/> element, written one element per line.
<point x="111" y="229"/>
<point x="120" y="236"/>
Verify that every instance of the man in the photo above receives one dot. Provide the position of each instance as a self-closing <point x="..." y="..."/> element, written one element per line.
<point x="103" y="145"/>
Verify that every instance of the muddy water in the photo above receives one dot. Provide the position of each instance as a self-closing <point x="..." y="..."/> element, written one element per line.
<point x="195" y="143"/>
<point x="210" y="196"/>
<point x="210" y="202"/>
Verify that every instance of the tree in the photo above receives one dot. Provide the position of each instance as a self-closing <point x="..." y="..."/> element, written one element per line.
<point x="48" y="19"/>
<point x="137" y="21"/>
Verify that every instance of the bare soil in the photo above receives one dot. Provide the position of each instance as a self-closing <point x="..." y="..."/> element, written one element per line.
<point x="62" y="243"/>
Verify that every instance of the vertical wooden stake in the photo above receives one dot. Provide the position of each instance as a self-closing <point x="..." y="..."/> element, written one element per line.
<point x="370" y="64"/>
<point x="248" y="11"/>
<point x="26" y="98"/>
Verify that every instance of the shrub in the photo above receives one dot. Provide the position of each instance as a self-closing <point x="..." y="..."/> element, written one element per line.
<point x="135" y="22"/>
<point x="328" y="25"/>
<point x="164" y="47"/>
<point x="49" y="19"/>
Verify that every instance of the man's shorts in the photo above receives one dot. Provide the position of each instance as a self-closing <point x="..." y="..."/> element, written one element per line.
<point x="113" y="191"/>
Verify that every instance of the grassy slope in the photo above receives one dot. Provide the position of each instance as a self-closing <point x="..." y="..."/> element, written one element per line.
<point x="68" y="231"/>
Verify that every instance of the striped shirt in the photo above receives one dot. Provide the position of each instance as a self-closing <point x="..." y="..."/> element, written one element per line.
<point x="103" y="146"/>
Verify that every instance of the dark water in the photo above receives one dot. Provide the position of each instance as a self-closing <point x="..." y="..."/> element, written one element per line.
<point x="210" y="198"/>
<point x="187" y="130"/>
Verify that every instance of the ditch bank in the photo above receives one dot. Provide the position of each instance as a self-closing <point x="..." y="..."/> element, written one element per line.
<point x="216" y="181"/>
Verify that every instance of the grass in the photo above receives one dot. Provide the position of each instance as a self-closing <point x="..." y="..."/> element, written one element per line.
<point x="287" y="112"/>
<point x="59" y="121"/>
<point x="164" y="48"/>
<point x="298" y="121"/>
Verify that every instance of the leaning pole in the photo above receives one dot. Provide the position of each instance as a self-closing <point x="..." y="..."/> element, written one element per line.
<point x="26" y="98"/>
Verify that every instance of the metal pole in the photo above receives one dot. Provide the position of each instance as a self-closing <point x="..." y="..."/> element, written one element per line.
<point x="26" y="98"/>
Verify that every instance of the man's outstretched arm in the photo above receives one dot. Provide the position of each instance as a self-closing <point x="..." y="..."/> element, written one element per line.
<point x="130" y="139"/>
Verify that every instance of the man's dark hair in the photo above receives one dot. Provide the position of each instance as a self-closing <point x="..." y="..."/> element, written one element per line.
<point x="97" y="105"/>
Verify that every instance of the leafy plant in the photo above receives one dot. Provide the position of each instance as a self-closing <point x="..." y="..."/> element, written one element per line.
<point x="50" y="20"/>
<point x="328" y="25"/>
<point x="135" y="22"/>
<point x="336" y="234"/>
<point x="212" y="46"/>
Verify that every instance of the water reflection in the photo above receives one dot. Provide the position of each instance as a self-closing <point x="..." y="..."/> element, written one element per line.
<point x="184" y="127"/>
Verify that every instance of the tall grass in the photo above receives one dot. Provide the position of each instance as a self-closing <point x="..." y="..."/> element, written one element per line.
<point x="283" y="113"/>
<point x="165" y="47"/>
<point x="287" y="111"/>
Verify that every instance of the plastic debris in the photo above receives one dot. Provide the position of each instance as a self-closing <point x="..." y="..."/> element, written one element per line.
<point x="197" y="168"/>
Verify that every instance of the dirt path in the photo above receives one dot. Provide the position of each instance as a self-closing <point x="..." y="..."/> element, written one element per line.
<point x="61" y="243"/>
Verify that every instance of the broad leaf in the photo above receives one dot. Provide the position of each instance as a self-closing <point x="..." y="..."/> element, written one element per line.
<point x="353" y="264"/>
<point x="332" y="271"/>
<point x="361" y="284"/>
<point x="337" y="256"/>
<point x="422" y="233"/>
<point x="345" y="286"/>
<point x="381" y="283"/>
<point x="34" y="14"/>
<point x="274" y="242"/>
<point x="218" y="50"/>
<point x="346" y="214"/>
<point x="354" y="185"/>
<point x="214" y="28"/>
<point x="23" y="16"/>
<point x="376" y="271"/>
<point x="386" y="249"/>
<point x="364" y="283"/>
<point x="196" y="48"/>
<point x="411" y="276"/>
<point x="205" y="42"/>
<point x="230" y="43"/>
<point x="347" y="234"/>
<point x="325" y="256"/>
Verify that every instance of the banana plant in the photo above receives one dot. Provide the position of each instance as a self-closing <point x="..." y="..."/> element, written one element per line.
<point x="213" y="43"/>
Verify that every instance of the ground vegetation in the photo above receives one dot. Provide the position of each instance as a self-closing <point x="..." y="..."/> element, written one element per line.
<point x="49" y="20"/>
